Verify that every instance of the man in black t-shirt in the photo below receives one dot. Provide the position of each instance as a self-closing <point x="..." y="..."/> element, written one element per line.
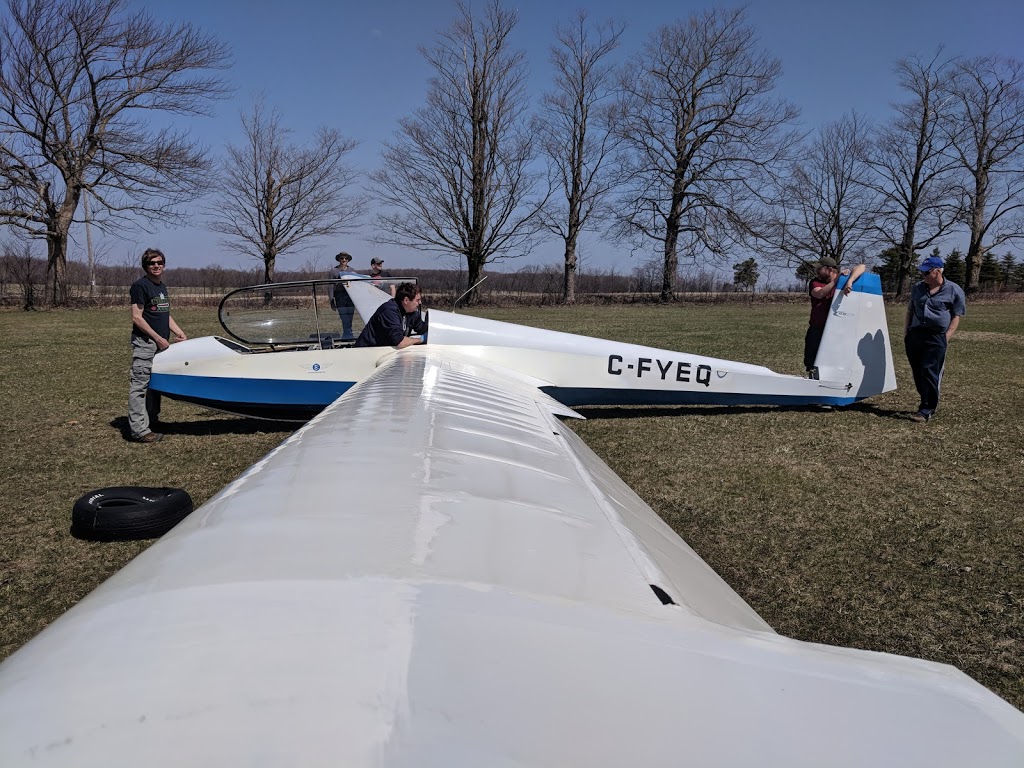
<point x="152" y="326"/>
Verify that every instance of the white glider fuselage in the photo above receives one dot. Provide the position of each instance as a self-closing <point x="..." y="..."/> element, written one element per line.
<point x="855" y="362"/>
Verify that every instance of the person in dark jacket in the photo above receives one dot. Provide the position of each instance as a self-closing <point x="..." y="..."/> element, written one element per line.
<point x="395" y="321"/>
<point x="340" y="300"/>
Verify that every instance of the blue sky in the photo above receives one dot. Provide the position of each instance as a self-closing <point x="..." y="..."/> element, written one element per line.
<point x="355" y="66"/>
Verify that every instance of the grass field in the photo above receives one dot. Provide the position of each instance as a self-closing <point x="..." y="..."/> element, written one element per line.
<point x="855" y="527"/>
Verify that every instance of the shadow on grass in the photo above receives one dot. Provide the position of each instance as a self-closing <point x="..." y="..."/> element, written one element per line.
<point x="871" y="409"/>
<point x="644" y="412"/>
<point x="228" y="426"/>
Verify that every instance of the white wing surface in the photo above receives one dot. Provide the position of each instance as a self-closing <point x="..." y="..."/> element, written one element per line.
<point x="436" y="572"/>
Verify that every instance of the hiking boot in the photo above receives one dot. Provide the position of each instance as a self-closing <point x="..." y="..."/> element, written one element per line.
<point x="919" y="417"/>
<point x="150" y="437"/>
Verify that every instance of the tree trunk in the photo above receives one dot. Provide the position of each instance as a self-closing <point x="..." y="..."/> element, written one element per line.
<point x="975" y="253"/>
<point x="57" y="246"/>
<point x="569" y="282"/>
<point x="269" y="260"/>
<point x="57" y="269"/>
<point x="474" y="265"/>
<point x="976" y="250"/>
<point x="668" y="276"/>
<point x="906" y="264"/>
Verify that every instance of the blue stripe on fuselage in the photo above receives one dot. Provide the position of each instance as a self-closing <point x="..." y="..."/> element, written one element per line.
<point x="578" y="396"/>
<point x="225" y="392"/>
<point x="228" y="390"/>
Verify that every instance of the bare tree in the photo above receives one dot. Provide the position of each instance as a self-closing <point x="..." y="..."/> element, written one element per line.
<point x="273" y="196"/>
<point x="702" y="132"/>
<point x="23" y="269"/>
<point x="829" y="204"/>
<point x="456" y="178"/>
<point x="79" y="81"/>
<point x="986" y="126"/>
<point x="914" y="167"/>
<point x="575" y="132"/>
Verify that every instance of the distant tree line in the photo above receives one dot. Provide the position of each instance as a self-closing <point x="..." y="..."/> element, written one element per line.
<point x="22" y="280"/>
<point x="997" y="275"/>
<point x="681" y="150"/>
<point x="1003" y="274"/>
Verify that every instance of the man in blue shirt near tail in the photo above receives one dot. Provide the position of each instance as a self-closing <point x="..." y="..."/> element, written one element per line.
<point x="933" y="314"/>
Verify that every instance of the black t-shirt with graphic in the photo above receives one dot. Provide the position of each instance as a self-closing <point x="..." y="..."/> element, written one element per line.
<point x="156" y="307"/>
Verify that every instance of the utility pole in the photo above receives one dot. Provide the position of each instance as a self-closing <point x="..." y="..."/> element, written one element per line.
<point x="88" y="244"/>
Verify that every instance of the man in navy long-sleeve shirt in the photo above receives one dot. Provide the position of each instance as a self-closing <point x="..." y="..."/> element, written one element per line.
<point x="394" y="321"/>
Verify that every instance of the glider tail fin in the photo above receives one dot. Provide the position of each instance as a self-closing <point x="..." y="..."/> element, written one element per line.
<point x="855" y="347"/>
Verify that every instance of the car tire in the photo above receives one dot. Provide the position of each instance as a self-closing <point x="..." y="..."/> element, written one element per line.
<point x="124" y="513"/>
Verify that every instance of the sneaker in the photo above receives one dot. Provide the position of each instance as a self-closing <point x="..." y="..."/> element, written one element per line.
<point x="150" y="437"/>
<point x="919" y="417"/>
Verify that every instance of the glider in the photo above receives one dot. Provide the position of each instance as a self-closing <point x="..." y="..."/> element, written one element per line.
<point x="286" y="359"/>
<point x="435" y="571"/>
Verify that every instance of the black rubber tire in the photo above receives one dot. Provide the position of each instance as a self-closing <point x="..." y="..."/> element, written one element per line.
<point x="128" y="512"/>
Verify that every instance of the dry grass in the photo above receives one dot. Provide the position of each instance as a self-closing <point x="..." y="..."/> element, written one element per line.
<point x="854" y="527"/>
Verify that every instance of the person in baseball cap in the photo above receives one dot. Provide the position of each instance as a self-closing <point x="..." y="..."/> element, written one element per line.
<point x="933" y="315"/>
<point x="379" y="275"/>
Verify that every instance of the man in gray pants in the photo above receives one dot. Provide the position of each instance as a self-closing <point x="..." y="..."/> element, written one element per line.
<point x="152" y="326"/>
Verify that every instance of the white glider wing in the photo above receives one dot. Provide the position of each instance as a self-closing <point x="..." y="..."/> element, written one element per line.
<point x="435" y="571"/>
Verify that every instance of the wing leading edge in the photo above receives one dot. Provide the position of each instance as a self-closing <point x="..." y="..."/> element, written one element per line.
<point x="436" y="571"/>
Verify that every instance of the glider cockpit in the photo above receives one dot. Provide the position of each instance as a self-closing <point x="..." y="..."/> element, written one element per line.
<point x="296" y="315"/>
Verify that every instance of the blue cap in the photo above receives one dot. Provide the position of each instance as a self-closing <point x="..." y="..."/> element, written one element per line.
<point x="932" y="262"/>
